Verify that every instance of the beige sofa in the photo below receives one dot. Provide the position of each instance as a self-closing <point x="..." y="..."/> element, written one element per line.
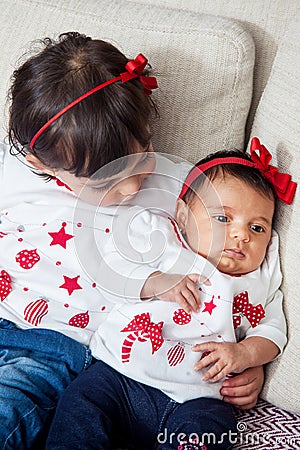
<point x="227" y="70"/>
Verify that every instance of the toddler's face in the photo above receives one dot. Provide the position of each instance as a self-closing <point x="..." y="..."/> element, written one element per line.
<point x="118" y="189"/>
<point x="229" y="223"/>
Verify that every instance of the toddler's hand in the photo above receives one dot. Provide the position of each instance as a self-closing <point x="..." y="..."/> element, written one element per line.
<point x="224" y="357"/>
<point x="175" y="288"/>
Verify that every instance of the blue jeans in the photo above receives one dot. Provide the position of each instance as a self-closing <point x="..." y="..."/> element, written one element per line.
<point x="103" y="409"/>
<point x="36" y="366"/>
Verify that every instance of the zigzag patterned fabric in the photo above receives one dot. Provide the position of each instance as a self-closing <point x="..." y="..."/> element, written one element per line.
<point x="267" y="427"/>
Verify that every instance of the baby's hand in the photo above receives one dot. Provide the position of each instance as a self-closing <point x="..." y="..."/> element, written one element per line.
<point x="225" y="357"/>
<point x="175" y="288"/>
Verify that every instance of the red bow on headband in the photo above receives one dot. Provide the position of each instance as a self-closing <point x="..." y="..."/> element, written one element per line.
<point x="285" y="188"/>
<point x="135" y="68"/>
<point x="152" y="330"/>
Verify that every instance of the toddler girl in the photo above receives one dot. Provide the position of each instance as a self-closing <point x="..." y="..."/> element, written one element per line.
<point x="73" y="110"/>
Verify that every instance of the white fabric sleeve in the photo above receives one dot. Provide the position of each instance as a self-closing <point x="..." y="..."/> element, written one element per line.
<point x="126" y="264"/>
<point x="273" y="325"/>
<point x="142" y="243"/>
<point x="161" y="189"/>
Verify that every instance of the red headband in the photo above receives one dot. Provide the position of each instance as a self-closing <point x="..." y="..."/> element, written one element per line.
<point x="283" y="185"/>
<point x="134" y="69"/>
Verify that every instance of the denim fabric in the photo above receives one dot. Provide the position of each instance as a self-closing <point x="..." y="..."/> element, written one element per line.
<point x="103" y="409"/>
<point x="36" y="366"/>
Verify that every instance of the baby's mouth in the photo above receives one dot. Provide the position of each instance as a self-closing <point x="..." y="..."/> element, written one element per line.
<point x="234" y="253"/>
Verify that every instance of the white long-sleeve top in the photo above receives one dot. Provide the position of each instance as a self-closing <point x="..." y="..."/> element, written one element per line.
<point x="151" y="341"/>
<point x="50" y="247"/>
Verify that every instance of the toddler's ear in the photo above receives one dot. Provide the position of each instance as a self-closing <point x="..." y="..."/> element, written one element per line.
<point x="37" y="164"/>
<point x="181" y="214"/>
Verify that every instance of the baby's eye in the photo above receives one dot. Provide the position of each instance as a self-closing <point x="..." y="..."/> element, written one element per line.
<point x="257" y="228"/>
<point x="221" y="218"/>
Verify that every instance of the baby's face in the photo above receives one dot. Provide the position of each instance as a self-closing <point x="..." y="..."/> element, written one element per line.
<point x="229" y="223"/>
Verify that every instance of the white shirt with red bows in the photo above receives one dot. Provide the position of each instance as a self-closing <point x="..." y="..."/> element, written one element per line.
<point x="50" y="247"/>
<point x="151" y="341"/>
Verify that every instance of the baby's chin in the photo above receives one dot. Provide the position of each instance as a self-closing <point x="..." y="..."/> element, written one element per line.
<point x="234" y="267"/>
<point x="231" y="266"/>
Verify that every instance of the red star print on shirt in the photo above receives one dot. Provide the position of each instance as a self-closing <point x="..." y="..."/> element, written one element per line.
<point x="209" y="306"/>
<point x="70" y="284"/>
<point x="60" y="237"/>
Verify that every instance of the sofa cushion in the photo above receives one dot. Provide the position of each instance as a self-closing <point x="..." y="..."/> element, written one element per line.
<point x="265" y="20"/>
<point x="204" y="64"/>
<point x="277" y="124"/>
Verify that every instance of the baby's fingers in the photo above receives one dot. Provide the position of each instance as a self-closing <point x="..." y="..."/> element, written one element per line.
<point x="190" y="301"/>
<point x="217" y="369"/>
<point x="183" y="302"/>
<point x="215" y="373"/>
<point x="192" y="295"/>
<point x="207" y="358"/>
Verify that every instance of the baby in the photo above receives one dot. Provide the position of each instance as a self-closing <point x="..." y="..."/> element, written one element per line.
<point x="149" y="350"/>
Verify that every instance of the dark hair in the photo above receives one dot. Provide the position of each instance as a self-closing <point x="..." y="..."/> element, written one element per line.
<point x="250" y="175"/>
<point x="102" y="128"/>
